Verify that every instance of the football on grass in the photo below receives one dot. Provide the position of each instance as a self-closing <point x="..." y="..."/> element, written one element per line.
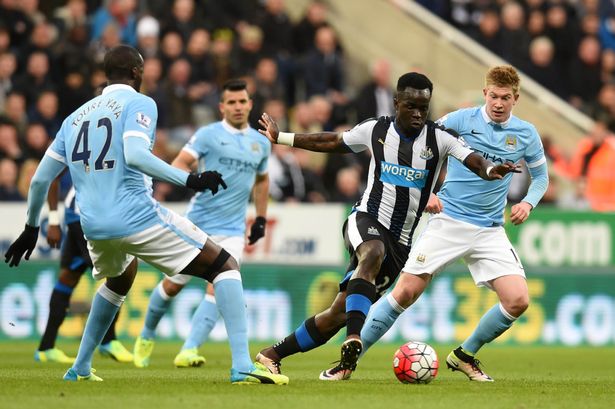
<point x="415" y="362"/>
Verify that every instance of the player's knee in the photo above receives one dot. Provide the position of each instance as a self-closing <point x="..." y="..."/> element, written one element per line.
<point x="223" y="262"/>
<point x="517" y="305"/>
<point x="372" y="256"/>
<point x="69" y="278"/>
<point x="170" y="288"/>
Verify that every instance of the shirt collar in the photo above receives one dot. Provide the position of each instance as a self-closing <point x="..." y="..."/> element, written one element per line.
<point x="233" y="130"/>
<point x="113" y="87"/>
<point x="483" y="112"/>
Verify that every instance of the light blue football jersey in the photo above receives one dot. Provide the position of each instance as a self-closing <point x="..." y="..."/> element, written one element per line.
<point x="239" y="155"/>
<point x="114" y="199"/>
<point x="465" y="195"/>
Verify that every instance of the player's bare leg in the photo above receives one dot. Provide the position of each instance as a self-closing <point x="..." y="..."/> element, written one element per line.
<point x="514" y="300"/>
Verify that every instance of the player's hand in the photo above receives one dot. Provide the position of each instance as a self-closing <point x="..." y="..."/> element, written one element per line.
<point x="499" y="171"/>
<point x="206" y="180"/>
<point x="257" y="230"/>
<point x="54" y="236"/>
<point x="25" y="243"/>
<point x="270" y="128"/>
<point x="520" y="212"/>
<point x="434" y="205"/>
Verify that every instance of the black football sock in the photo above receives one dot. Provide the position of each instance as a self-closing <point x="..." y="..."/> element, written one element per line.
<point x="360" y="296"/>
<point x="58" y="306"/>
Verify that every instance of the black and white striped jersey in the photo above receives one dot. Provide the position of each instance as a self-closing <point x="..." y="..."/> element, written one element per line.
<point x="402" y="171"/>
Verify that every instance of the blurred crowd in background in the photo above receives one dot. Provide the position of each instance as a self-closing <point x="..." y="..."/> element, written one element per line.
<point x="51" y="53"/>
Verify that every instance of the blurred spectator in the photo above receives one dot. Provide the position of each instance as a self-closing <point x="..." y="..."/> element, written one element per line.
<point x="148" y="29"/>
<point x="177" y="105"/>
<point x="5" y="40"/>
<point x="9" y="142"/>
<point x="36" y="141"/>
<point x="302" y="119"/>
<point x="183" y="19"/>
<point x="8" y="65"/>
<point x="8" y="181"/>
<point x="607" y="32"/>
<point x="607" y="66"/>
<point x="201" y="61"/>
<point x="347" y="186"/>
<point x="119" y="13"/>
<point x="109" y="38"/>
<point x="536" y="23"/>
<point x="30" y="9"/>
<point x="543" y="69"/>
<point x="603" y="108"/>
<point x="304" y="32"/>
<point x="286" y="183"/>
<point x="488" y="32"/>
<point x="249" y="50"/>
<point x="171" y="48"/>
<point x="74" y="91"/>
<point x="221" y="49"/>
<point x="266" y="88"/>
<point x="36" y="77"/>
<point x="277" y="28"/>
<point x="311" y="170"/>
<point x="375" y="98"/>
<point x="324" y="66"/>
<point x="46" y="112"/>
<point x="15" y="111"/>
<point x="515" y="38"/>
<point x="70" y="16"/>
<point x="17" y="21"/>
<point x="592" y="167"/>
<point x="585" y="73"/>
<point x="563" y="33"/>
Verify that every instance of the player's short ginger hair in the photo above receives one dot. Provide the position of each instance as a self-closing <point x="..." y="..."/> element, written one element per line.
<point x="503" y="76"/>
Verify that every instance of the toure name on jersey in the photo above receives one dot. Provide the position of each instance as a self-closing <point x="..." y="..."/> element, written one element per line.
<point x="400" y="175"/>
<point x="109" y="104"/>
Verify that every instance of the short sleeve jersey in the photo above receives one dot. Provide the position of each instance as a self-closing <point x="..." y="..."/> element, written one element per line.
<point x="402" y="171"/>
<point x="239" y="155"/>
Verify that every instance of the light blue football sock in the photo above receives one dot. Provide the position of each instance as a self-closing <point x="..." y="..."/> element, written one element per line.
<point x="159" y="303"/>
<point x="203" y="322"/>
<point x="232" y="307"/>
<point x="493" y="324"/>
<point x="380" y="319"/>
<point x="105" y="306"/>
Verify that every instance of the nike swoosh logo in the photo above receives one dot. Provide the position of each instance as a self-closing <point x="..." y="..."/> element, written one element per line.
<point x="473" y="132"/>
<point x="455" y="364"/>
<point x="381" y="141"/>
<point x="261" y="378"/>
<point x="382" y="322"/>
<point x="225" y="143"/>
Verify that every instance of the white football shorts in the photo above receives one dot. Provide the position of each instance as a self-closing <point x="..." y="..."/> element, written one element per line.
<point x="486" y="250"/>
<point x="169" y="246"/>
<point x="233" y="244"/>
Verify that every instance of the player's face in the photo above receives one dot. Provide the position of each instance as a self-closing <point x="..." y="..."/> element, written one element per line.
<point x="235" y="108"/>
<point x="411" y="108"/>
<point x="499" y="102"/>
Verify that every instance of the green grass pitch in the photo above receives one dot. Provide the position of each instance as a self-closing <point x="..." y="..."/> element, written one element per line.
<point x="526" y="377"/>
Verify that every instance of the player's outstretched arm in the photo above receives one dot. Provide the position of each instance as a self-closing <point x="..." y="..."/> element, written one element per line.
<point x="138" y="155"/>
<point x="486" y="169"/>
<point x="316" y="142"/>
<point x="46" y="172"/>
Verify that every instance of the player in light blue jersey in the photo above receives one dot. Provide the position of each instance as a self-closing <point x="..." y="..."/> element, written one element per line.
<point x="241" y="154"/>
<point x="469" y="222"/>
<point x="106" y="145"/>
